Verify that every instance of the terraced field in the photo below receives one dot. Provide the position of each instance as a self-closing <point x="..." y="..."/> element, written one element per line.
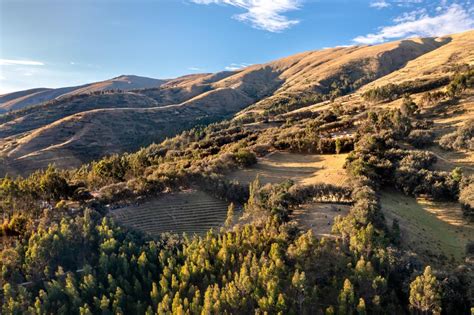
<point x="192" y="212"/>
<point x="429" y="228"/>
<point x="305" y="169"/>
<point x="319" y="217"/>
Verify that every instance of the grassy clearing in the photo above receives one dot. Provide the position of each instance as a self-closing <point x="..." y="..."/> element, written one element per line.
<point x="429" y="228"/>
<point x="319" y="217"/>
<point x="304" y="169"/>
<point x="191" y="212"/>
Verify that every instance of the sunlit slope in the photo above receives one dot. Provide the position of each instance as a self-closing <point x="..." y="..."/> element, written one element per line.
<point x="78" y="128"/>
<point x="89" y="135"/>
<point x="459" y="50"/>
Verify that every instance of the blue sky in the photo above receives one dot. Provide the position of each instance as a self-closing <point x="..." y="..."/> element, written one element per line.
<point x="52" y="43"/>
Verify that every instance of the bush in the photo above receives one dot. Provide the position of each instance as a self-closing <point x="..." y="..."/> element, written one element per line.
<point x="245" y="158"/>
<point x="408" y="107"/>
<point x="420" y="138"/>
<point x="417" y="159"/>
<point x="437" y="185"/>
<point x="17" y="225"/>
<point x="392" y="91"/>
<point x="461" y="82"/>
<point x="461" y="139"/>
<point x="466" y="198"/>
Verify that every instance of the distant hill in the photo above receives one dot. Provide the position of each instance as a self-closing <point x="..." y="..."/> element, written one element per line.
<point x="76" y="125"/>
<point x="21" y="99"/>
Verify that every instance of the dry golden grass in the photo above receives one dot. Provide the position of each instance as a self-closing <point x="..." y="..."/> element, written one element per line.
<point x="448" y="160"/>
<point x="458" y="50"/>
<point x="319" y="217"/>
<point x="303" y="169"/>
<point x="447" y="118"/>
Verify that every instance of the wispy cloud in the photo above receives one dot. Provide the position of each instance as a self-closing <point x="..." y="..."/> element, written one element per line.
<point x="379" y="4"/>
<point x="451" y="19"/>
<point x="411" y="16"/>
<point x="406" y="3"/>
<point x="236" y="66"/>
<point x="262" y="14"/>
<point x="194" y="69"/>
<point x="16" y="62"/>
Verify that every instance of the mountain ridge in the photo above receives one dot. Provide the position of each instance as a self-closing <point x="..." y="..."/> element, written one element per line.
<point x="39" y="95"/>
<point x="54" y="132"/>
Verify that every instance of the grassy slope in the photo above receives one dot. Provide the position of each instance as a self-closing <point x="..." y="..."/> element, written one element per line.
<point x="428" y="228"/>
<point x="303" y="169"/>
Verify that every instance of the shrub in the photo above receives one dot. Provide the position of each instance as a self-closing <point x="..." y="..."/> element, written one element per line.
<point x="17" y="225"/>
<point x="461" y="82"/>
<point x="408" y="107"/>
<point x="466" y="198"/>
<point x="430" y="98"/>
<point x="417" y="159"/>
<point x="392" y="91"/>
<point x="420" y="138"/>
<point x="245" y="158"/>
<point x="461" y="139"/>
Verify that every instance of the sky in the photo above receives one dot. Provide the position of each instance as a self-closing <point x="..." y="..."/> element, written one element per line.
<point x="55" y="43"/>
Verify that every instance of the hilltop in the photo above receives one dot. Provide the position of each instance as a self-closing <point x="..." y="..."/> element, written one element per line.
<point x="22" y="99"/>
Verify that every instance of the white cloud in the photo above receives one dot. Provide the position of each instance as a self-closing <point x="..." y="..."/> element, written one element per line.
<point x="379" y="4"/>
<point x="454" y="19"/>
<point x="262" y="14"/>
<point x="16" y="62"/>
<point x="194" y="69"/>
<point x="236" y="66"/>
<point x="407" y="2"/>
<point x="232" y="68"/>
<point x="411" y="16"/>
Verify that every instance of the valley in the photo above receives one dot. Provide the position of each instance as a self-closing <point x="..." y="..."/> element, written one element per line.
<point x="350" y="171"/>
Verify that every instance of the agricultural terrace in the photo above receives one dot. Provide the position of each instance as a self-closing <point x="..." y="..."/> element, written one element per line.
<point x="191" y="212"/>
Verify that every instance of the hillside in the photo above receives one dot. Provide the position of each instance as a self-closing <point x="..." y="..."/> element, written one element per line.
<point x="22" y="99"/>
<point x="79" y="127"/>
<point x="338" y="181"/>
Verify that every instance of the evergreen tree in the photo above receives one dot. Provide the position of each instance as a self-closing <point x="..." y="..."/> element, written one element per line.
<point x="346" y="298"/>
<point x="361" y="307"/>
<point x="230" y="215"/>
<point x="425" y="293"/>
